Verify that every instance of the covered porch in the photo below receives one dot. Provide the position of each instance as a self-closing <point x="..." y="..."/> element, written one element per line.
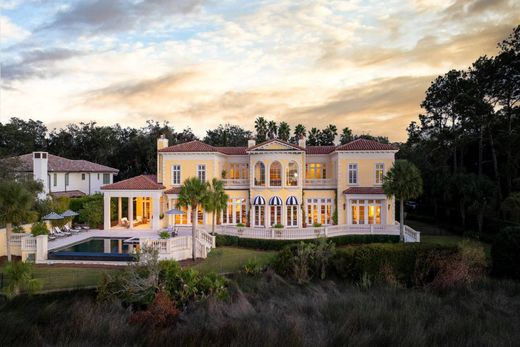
<point x="133" y="204"/>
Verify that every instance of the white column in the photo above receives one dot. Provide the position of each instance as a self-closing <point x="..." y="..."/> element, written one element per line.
<point x="106" y="209"/>
<point x="156" y="211"/>
<point x="106" y="246"/>
<point x="41" y="248"/>
<point x="119" y="210"/>
<point x="131" y="211"/>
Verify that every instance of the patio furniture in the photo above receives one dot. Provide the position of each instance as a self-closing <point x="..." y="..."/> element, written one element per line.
<point x="60" y="233"/>
<point x="66" y="228"/>
<point x="124" y="222"/>
<point x="51" y="236"/>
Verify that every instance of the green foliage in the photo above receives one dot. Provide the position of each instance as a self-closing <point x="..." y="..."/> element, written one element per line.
<point x="284" y="131"/>
<point x="39" y="228"/>
<point x="18" y="229"/>
<point x="60" y="205"/>
<point x="505" y="253"/>
<point x="20" y="279"/>
<point x="240" y="225"/>
<point x="511" y="206"/>
<point x="77" y="204"/>
<point x="16" y="202"/>
<point x="164" y="235"/>
<point x="316" y="225"/>
<point x="92" y="212"/>
<point x="227" y="135"/>
<point x="403" y="181"/>
<point x="216" y="200"/>
<point x="235" y="241"/>
<point x="278" y="226"/>
<point x="303" y="261"/>
<point x="252" y="267"/>
<point x="346" y="136"/>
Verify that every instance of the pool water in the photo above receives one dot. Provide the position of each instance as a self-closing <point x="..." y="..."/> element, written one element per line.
<point x="94" y="249"/>
<point x="97" y="246"/>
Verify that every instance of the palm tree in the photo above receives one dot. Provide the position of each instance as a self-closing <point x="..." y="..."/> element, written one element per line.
<point x="314" y="137"/>
<point x="217" y="200"/>
<point x="194" y="193"/>
<point x="284" y="131"/>
<point x="261" y="129"/>
<point x="16" y="202"/>
<point x="272" y="129"/>
<point x="404" y="182"/>
<point x="299" y="132"/>
<point x="346" y="136"/>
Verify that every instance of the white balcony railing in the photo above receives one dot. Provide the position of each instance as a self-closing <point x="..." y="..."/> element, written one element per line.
<point x="236" y="182"/>
<point x="320" y="182"/>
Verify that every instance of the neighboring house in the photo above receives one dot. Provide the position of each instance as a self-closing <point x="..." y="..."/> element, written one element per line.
<point x="65" y="177"/>
<point x="273" y="182"/>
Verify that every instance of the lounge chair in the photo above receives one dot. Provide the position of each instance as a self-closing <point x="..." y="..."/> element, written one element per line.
<point x="75" y="231"/>
<point x="124" y="222"/>
<point x="62" y="233"/>
<point x="51" y="236"/>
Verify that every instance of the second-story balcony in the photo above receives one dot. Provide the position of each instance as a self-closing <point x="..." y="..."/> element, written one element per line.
<point x="236" y="182"/>
<point x="320" y="183"/>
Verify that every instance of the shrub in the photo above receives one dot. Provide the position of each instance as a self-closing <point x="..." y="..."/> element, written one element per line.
<point x="252" y="267"/>
<point x="18" y="229"/>
<point x="303" y="261"/>
<point x="92" y="213"/>
<point x="278" y="226"/>
<point x="316" y="225"/>
<point x="505" y="253"/>
<point x="39" y="228"/>
<point x="20" y="279"/>
<point x="161" y="313"/>
<point x="263" y="244"/>
<point x="164" y="235"/>
<point x="240" y="225"/>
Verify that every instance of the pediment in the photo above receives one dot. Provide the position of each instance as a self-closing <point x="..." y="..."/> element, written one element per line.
<point x="275" y="145"/>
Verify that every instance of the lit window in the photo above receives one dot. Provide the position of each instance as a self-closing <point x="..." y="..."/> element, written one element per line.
<point x="201" y="172"/>
<point x="380" y="172"/>
<point x="259" y="174"/>
<point x="275" y="174"/>
<point x="367" y="211"/>
<point x="352" y="173"/>
<point x="292" y="215"/>
<point x="291" y="174"/>
<point x="319" y="211"/>
<point x="315" y="171"/>
<point x="176" y="174"/>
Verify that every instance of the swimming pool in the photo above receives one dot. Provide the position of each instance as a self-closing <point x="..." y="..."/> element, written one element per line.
<point x="100" y="249"/>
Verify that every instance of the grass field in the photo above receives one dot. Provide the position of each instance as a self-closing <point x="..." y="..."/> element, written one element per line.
<point x="231" y="259"/>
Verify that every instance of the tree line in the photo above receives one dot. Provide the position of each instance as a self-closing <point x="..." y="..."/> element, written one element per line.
<point x="467" y="141"/>
<point x="133" y="150"/>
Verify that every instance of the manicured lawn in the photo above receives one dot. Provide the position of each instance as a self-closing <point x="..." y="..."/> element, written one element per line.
<point x="231" y="259"/>
<point x="58" y="277"/>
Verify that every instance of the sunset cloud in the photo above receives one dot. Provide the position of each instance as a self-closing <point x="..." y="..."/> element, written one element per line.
<point x="200" y="63"/>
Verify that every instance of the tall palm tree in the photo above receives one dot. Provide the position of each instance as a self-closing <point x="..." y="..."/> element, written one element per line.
<point x="261" y="129"/>
<point x="404" y="182"/>
<point x="217" y="200"/>
<point x="346" y="136"/>
<point x="284" y="131"/>
<point x="194" y="193"/>
<point x="272" y="129"/>
<point x="314" y="137"/>
<point x="299" y="132"/>
<point x="16" y="202"/>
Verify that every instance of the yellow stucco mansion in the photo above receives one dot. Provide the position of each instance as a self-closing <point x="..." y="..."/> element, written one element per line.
<point x="269" y="183"/>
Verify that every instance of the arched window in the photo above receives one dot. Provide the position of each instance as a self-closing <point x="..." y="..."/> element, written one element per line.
<point x="259" y="174"/>
<point x="275" y="174"/>
<point x="291" y="174"/>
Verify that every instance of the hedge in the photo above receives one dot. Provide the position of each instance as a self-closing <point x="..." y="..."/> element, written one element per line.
<point x="266" y="244"/>
<point x="406" y="262"/>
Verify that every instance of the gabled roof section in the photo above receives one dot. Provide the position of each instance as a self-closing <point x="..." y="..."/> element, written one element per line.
<point x="365" y="145"/>
<point x="60" y="164"/>
<point x="364" y="190"/>
<point x="272" y="143"/>
<point x="142" y="182"/>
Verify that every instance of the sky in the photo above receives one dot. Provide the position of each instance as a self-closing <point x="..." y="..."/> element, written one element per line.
<point x="197" y="63"/>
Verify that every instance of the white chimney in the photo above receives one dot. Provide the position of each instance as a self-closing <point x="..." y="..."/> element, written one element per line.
<point x="162" y="142"/>
<point x="301" y="141"/>
<point x="251" y="143"/>
<point x="40" y="171"/>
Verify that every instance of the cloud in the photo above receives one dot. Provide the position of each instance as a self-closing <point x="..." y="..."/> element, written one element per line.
<point x="36" y="63"/>
<point x="10" y="32"/>
<point x="117" y="15"/>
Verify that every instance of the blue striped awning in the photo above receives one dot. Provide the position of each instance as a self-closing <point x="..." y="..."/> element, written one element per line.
<point x="291" y="201"/>
<point x="258" y="200"/>
<point x="275" y="201"/>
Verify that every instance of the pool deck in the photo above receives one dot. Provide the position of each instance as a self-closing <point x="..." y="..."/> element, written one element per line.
<point x="115" y="233"/>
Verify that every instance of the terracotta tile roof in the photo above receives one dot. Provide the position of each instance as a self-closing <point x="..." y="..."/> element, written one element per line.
<point x="365" y="145"/>
<point x="173" y="190"/>
<point x="59" y="164"/>
<point x="142" y="182"/>
<point x="232" y="150"/>
<point x="277" y="140"/>
<point x="68" y="194"/>
<point x="319" y="149"/>
<point x="364" y="190"/>
<point x="192" y="146"/>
